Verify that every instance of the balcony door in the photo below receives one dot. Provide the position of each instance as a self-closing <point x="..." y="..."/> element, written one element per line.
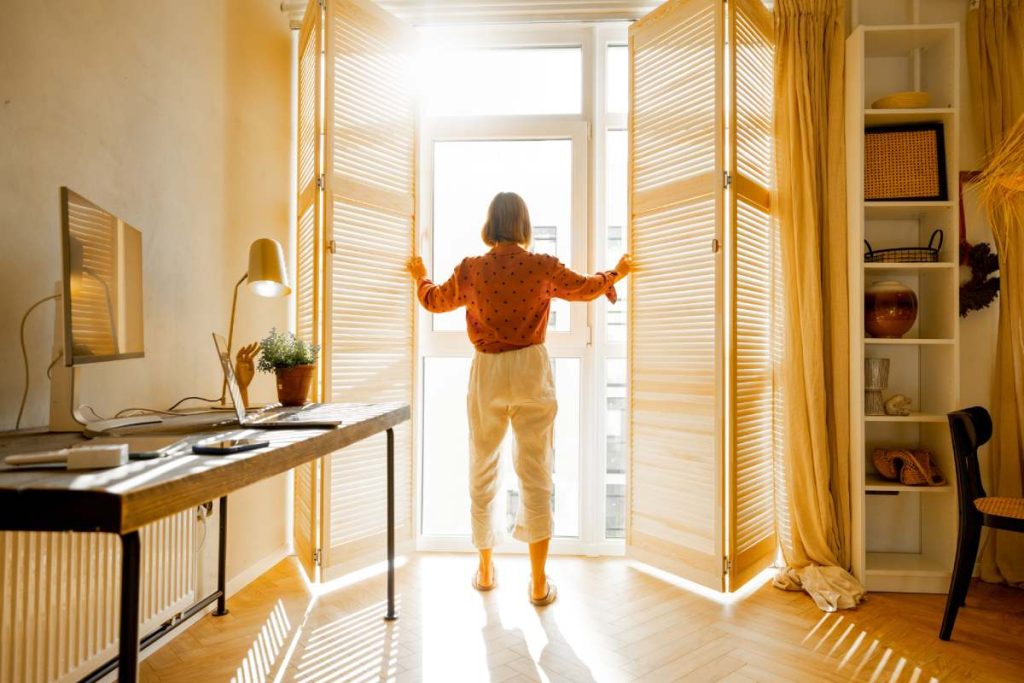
<point x="491" y="123"/>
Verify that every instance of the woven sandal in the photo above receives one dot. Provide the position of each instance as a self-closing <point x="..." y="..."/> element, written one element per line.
<point x="548" y="598"/>
<point x="494" y="580"/>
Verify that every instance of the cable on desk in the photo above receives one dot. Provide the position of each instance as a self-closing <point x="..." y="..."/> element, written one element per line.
<point x="24" y="354"/>
<point x="194" y="398"/>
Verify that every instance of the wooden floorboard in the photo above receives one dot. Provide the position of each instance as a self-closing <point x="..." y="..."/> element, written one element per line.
<point x="613" y="621"/>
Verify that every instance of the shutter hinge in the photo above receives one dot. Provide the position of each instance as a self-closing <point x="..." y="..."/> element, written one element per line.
<point x="320" y="182"/>
<point x="715" y="246"/>
<point x="332" y="246"/>
<point x="323" y="4"/>
<point x="726" y="179"/>
<point x="726" y="564"/>
<point x="317" y="557"/>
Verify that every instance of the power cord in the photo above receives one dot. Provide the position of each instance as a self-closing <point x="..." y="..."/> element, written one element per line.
<point x="49" y="368"/>
<point x="49" y="375"/>
<point x="194" y="398"/>
<point x="24" y="355"/>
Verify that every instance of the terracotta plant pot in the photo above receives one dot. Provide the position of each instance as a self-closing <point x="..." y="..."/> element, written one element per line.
<point x="293" y="384"/>
<point x="890" y="309"/>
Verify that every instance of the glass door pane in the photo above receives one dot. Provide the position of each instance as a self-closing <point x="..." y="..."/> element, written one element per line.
<point x="446" y="451"/>
<point x="468" y="173"/>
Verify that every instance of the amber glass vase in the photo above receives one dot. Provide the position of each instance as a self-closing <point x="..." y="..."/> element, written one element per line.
<point x="293" y="384"/>
<point x="890" y="309"/>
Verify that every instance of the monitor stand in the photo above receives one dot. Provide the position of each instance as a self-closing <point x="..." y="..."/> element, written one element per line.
<point x="65" y="412"/>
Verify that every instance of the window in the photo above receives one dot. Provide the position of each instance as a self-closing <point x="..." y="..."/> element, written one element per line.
<point x="478" y="139"/>
<point x="502" y="81"/>
<point x="465" y="176"/>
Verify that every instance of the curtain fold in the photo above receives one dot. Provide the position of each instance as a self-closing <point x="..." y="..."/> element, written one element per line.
<point x="810" y="208"/>
<point x="995" y="59"/>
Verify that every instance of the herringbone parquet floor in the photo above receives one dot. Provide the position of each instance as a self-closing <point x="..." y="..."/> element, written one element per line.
<point x="614" y="621"/>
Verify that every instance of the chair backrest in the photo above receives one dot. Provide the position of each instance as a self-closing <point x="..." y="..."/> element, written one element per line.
<point x="970" y="429"/>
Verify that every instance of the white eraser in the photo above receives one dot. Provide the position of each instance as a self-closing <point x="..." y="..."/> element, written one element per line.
<point x="97" y="457"/>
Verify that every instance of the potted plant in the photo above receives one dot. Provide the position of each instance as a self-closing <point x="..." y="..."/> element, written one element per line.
<point x="293" y="361"/>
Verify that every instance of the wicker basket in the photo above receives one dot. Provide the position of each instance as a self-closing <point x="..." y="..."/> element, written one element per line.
<point x="912" y="467"/>
<point x="929" y="254"/>
<point x="905" y="163"/>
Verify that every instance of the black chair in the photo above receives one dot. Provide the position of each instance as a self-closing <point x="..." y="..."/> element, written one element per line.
<point x="971" y="428"/>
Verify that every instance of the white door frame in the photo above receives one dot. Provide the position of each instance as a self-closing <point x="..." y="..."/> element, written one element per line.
<point x="585" y="338"/>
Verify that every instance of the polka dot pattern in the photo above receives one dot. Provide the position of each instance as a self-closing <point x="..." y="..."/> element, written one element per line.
<point x="507" y="293"/>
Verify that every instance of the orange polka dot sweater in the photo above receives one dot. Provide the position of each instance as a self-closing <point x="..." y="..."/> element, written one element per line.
<point x="507" y="293"/>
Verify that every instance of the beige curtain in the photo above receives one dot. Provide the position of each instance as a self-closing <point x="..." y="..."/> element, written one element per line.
<point x="995" y="57"/>
<point x="995" y="63"/>
<point x="810" y="207"/>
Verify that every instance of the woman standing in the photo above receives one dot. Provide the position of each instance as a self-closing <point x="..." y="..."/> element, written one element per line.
<point x="507" y="293"/>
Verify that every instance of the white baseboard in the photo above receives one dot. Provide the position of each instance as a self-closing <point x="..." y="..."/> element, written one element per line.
<point x="256" y="570"/>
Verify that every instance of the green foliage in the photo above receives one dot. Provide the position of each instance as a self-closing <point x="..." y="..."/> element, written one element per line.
<point x="284" y="350"/>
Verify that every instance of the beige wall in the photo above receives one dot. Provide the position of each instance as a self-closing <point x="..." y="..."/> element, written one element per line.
<point x="978" y="329"/>
<point x="175" y="115"/>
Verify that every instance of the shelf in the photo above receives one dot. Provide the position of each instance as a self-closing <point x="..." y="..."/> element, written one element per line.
<point x="872" y="341"/>
<point x="874" y="482"/>
<point x="883" y="267"/>
<point x="884" y="117"/>
<point x="913" y="417"/>
<point x="900" y="39"/>
<point x="904" y="564"/>
<point x="908" y="210"/>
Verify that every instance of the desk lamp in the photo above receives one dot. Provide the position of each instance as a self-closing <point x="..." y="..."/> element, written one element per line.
<point x="267" y="277"/>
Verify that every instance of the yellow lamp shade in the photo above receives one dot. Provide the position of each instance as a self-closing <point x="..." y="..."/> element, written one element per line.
<point x="268" y="275"/>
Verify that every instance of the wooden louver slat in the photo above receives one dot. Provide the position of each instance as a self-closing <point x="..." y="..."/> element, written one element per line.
<point x="308" y="257"/>
<point x="675" y="513"/>
<point x="752" y="462"/>
<point x="368" y="306"/>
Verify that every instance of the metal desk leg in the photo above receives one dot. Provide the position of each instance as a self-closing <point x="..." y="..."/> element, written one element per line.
<point x="391" y="616"/>
<point x="222" y="551"/>
<point x="128" y="653"/>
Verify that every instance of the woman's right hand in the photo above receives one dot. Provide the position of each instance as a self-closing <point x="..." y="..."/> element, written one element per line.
<point x="416" y="268"/>
<point x="625" y="266"/>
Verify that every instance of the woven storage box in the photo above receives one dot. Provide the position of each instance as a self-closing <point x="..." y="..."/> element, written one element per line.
<point x="905" y="163"/>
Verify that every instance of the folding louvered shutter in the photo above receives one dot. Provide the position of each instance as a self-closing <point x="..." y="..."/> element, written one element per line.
<point x="752" y="537"/>
<point x="308" y="256"/>
<point x="675" y="519"/>
<point x="368" y="310"/>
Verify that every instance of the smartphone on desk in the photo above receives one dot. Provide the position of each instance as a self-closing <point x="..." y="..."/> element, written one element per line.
<point x="225" y="446"/>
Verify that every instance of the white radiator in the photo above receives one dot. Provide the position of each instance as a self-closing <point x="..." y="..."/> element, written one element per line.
<point x="60" y="595"/>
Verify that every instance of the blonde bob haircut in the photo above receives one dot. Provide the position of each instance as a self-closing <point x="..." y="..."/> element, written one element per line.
<point x="508" y="220"/>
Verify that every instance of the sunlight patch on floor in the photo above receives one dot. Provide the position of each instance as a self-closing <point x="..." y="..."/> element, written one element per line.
<point x="832" y="633"/>
<point x="261" y="658"/>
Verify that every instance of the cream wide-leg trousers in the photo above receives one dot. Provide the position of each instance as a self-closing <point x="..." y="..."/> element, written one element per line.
<point x="514" y="387"/>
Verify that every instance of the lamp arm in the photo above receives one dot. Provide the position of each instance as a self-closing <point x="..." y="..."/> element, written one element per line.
<point x="231" y="333"/>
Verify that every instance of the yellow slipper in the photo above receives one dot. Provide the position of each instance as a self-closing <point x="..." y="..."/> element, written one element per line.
<point x="494" y="580"/>
<point x="548" y="598"/>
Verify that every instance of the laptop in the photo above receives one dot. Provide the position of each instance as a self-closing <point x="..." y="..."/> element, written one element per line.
<point x="323" y="415"/>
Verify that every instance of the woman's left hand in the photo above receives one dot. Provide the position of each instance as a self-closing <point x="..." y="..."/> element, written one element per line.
<point x="416" y="268"/>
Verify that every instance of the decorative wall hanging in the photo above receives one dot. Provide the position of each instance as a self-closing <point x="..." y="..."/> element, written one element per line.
<point x="905" y="162"/>
<point x="981" y="287"/>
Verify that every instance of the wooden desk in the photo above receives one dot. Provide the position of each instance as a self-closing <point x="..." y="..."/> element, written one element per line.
<point x="122" y="500"/>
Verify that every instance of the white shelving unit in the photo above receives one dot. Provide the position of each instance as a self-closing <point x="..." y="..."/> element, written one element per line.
<point x="904" y="537"/>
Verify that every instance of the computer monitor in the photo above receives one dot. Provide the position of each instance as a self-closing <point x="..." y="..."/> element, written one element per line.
<point x="102" y="283"/>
